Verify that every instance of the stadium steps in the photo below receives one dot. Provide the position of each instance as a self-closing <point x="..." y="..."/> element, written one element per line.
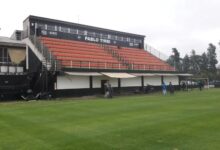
<point x="135" y="58"/>
<point x="48" y="60"/>
<point x="77" y="54"/>
<point x="115" y="54"/>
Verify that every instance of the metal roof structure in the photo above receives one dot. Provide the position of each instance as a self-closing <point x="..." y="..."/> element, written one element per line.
<point x="5" y="41"/>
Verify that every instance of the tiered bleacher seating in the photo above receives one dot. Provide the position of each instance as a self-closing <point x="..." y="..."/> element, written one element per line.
<point x="141" y="59"/>
<point x="77" y="54"/>
<point x="81" y="54"/>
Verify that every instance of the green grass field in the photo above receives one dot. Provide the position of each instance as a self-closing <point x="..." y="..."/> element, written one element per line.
<point x="185" y="121"/>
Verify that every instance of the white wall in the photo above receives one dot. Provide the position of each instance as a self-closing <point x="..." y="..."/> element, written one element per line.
<point x="129" y="82"/>
<point x="173" y="79"/>
<point x="97" y="81"/>
<point x="152" y="80"/>
<point x="72" y="82"/>
<point x="82" y="82"/>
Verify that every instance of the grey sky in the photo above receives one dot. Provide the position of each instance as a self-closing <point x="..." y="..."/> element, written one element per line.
<point x="184" y="24"/>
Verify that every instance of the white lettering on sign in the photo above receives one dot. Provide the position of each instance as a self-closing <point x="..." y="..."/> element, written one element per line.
<point x="53" y="33"/>
<point x="105" y="41"/>
<point x="92" y="39"/>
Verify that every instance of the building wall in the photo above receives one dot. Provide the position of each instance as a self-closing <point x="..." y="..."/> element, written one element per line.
<point x="97" y="81"/>
<point x="82" y="82"/>
<point x="152" y="80"/>
<point x="173" y="79"/>
<point x="72" y="82"/>
<point x="131" y="82"/>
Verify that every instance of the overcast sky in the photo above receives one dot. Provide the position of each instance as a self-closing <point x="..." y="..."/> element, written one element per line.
<point x="184" y="24"/>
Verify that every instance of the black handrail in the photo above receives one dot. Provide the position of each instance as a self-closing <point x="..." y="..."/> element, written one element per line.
<point x="49" y="57"/>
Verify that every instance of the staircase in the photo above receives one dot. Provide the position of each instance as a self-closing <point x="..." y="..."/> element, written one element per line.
<point x="116" y="55"/>
<point x="43" y="79"/>
<point x="44" y="55"/>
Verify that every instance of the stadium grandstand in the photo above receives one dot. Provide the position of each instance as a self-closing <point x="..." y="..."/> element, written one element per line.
<point x="58" y="58"/>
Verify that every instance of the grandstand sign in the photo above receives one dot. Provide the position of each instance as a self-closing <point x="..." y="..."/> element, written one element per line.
<point x="65" y="30"/>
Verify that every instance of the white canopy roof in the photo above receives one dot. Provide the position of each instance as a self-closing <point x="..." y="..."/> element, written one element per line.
<point x="118" y="75"/>
<point x="83" y="73"/>
<point x="160" y="74"/>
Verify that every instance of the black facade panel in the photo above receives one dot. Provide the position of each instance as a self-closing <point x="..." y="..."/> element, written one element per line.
<point x="72" y="31"/>
<point x="35" y="64"/>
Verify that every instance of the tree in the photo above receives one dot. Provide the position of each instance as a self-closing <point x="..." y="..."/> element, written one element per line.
<point x="212" y="58"/>
<point x="204" y="62"/>
<point x="170" y="60"/>
<point x="175" y="60"/>
<point x="186" y="63"/>
<point x="194" y="61"/>
<point x="176" y="57"/>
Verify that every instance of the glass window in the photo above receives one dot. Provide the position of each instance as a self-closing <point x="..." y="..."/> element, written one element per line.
<point x="85" y="32"/>
<point x="119" y="38"/>
<point x="73" y="31"/>
<point x="4" y="57"/>
<point x="80" y="32"/>
<point x="104" y="36"/>
<point x="64" y="29"/>
<point x="125" y="39"/>
<point x="137" y="41"/>
<point x="90" y="33"/>
<point x="51" y="27"/>
<point x="109" y="36"/>
<point x="98" y="35"/>
<point x="131" y="40"/>
<point x="42" y="26"/>
<point x="113" y="37"/>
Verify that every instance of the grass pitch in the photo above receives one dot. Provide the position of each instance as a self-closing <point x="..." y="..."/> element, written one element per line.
<point x="184" y="121"/>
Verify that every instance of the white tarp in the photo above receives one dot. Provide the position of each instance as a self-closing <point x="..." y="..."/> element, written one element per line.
<point x="185" y="74"/>
<point x="160" y="74"/>
<point x="83" y="73"/>
<point x="143" y="74"/>
<point x="118" y="75"/>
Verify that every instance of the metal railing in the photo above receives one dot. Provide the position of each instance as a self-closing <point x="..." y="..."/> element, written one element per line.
<point x="50" y="60"/>
<point x="115" y="54"/>
<point x="55" y="64"/>
<point x="114" y="66"/>
<point x="11" y="68"/>
<point x="155" y="52"/>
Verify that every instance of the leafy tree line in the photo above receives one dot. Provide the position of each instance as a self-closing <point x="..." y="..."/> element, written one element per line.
<point x="200" y="65"/>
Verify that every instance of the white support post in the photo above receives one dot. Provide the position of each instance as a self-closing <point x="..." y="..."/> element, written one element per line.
<point x="55" y="65"/>
<point x="27" y="58"/>
<point x="50" y="57"/>
<point x="71" y="64"/>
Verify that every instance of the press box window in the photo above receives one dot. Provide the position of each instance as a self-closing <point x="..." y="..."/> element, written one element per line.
<point x="41" y="26"/>
<point x="4" y="57"/>
<point x="63" y="29"/>
<point x="80" y="32"/>
<point x="51" y="27"/>
<point x="73" y="31"/>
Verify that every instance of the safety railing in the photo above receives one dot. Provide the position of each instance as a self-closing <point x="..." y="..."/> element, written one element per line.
<point x="114" y="66"/>
<point x="50" y="60"/>
<point x="11" y="68"/>
<point x="155" y="52"/>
